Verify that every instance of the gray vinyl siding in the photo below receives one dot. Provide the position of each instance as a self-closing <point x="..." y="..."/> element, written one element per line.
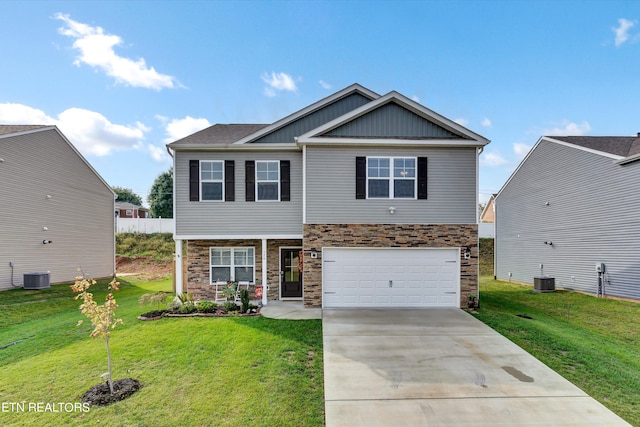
<point x="315" y="119"/>
<point x="331" y="188"/>
<point x="592" y="216"/>
<point x="394" y="121"/>
<point x="238" y="217"/>
<point x="79" y="215"/>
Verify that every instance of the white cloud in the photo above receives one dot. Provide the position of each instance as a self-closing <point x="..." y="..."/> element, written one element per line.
<point x="461" y="121"/>
<point x="90" y="132"/>
<point x="278" y="82"/>
<point x="622" y="31"/>
<point x="486" y="123"/>
<point x="179" y="128"/>
<point x="325" y="85"/>
<point x="567" y="128"/>
<point x="158" y="154"/>
<point x="18" y="114"/>
<point x="520" y="149"/>
<point x="97" y="50"/>
<point x="415" y="98"/>
<point x="492" y="159"/>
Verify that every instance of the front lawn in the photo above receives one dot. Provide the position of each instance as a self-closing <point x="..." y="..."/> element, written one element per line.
<point x="592" y="342"/>
<point x="232" y="371"/>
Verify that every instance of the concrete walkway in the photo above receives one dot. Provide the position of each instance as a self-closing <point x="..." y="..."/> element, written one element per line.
<point x="441" y="367"/>
<point x="292" y="310"/>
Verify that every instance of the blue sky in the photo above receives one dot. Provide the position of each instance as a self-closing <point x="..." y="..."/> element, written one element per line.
<point x="122" y="79"/>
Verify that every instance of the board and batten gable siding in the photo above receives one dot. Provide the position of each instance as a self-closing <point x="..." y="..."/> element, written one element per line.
<point x="239" y="217"/>
<point x="591" y="217"/>
<point x="391" y="120"/>
<point x="451" y="188"/>
<point x="79" y="215"/>
<point x="311" y="121"/>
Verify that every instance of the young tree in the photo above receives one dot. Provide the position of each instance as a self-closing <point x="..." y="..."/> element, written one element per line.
<point x="127" y="195"/>
<point x="102" y="316"/>
<point x="161" y="196"/>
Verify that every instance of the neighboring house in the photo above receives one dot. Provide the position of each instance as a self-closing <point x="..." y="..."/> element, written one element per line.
<point x="358" y="200"/>
<point x="572" y="205"/>
<point x="488" y="213"/>
<point x="57" y="212"/>
<point x="129" y="210"/>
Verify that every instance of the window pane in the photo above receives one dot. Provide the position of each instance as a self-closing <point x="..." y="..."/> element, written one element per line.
<point x="378" y="167"/>
<point x="244" y="274"/>
<point x="211" y="171"/>
<point x="267" y="191"/>
<point x="267" y="171"/>
<point x="243" y="256"/>
<point x="211" y="191"/>
<point x="404" y="168"/>
<point x="379" y="188"/>
<point x="220" y="274"/>
<point x="220" y="257"/>
<point x="404" y="188"/>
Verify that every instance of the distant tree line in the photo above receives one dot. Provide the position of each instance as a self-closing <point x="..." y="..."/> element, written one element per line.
<point x="160" y="196"/>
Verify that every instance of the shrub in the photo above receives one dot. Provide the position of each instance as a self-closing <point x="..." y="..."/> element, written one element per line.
<point x="230" y="307"/>
<point x="206" y="306"/>
<point x="244" y="299"/>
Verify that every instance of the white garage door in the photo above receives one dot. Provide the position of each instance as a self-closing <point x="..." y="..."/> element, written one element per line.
<point x="358" y="277"/>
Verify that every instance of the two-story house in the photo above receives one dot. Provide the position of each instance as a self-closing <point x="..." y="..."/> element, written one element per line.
<point x="358" y="200"/>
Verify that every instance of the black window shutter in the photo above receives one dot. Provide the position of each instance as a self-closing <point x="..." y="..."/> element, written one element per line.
<point x="422" y="177"/>
<point x="194" y="180"/>
<point x="361" y="177"/>
<point x="229" y="181"/>
<point x="285" y="181"/>
<point x="250" y="180"/>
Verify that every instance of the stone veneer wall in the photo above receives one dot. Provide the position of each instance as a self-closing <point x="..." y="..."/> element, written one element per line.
<point x="318" y="236"/>
<point x="198" y="283"/>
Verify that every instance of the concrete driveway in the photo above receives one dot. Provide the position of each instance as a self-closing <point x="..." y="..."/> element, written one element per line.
<point x="441" y="367"/>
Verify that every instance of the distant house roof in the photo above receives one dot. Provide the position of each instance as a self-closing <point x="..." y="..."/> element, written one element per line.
<point x="220" y="134"/>
<point x="9" y="129"/>
<point x="128" y="205"/>
<point x="625" y="146"/>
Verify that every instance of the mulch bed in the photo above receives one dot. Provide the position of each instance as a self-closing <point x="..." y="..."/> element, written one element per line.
<point x="100" y="395"/>
<point x="159" y="314"/>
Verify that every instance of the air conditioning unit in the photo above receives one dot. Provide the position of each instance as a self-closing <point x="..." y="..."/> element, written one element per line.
<point x="36" y="281"/>
<point x="544" y="284"/>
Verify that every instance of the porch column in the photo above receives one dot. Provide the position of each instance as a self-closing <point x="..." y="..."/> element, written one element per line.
<point x="178" y="259"/>
<point x="264" y="272"/>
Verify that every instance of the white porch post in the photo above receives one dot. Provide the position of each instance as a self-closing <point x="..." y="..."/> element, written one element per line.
<point x="179" y="284"/>
<point x="264" y="272"/>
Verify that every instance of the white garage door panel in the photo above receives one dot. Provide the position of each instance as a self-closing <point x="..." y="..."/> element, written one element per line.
<point x="354" y="277"/>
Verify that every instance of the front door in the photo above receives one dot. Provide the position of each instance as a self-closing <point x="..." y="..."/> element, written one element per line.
<point x="290" y="274"/>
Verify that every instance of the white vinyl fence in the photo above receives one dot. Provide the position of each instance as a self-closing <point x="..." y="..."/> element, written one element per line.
<point x="145" y="225"/>
<point x="486" y="229"/>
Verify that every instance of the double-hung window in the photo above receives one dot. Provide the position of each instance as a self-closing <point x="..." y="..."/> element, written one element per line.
<point x="391" y="177"/>
<point x="212" y="180"/>
<point x="268" y="180"/>
<point x="232" y="264"/>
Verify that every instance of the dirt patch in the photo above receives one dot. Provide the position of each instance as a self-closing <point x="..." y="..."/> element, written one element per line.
<point x="146" y="267"/>
<point x="100" y="395"/>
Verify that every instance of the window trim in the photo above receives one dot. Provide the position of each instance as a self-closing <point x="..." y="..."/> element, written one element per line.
<point x="232" y="265"/>
<point x="258" y="181"/>
<point x="201" y="181"/>
<point x="392" y="178"/>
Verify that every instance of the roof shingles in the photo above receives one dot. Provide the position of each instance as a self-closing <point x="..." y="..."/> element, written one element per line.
<point x="624" y="146"/>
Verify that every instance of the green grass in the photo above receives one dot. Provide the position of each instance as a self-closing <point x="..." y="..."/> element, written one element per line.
<point x="194" y="371"/>
<point x="159" y="246"/>
<point x="592" y="342"/>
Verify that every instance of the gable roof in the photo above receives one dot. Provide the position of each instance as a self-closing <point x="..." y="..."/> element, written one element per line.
<point x="624" y="146"/>
<point x="10" y="129"/>
<point x="428" y="127"/>
<point x="309" y="110"/>
<point x="219" y="134"/>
